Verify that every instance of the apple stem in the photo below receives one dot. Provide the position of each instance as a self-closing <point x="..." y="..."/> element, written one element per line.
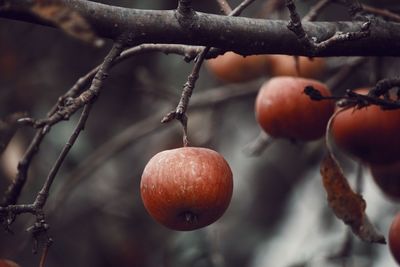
<point x="185" y="131"/>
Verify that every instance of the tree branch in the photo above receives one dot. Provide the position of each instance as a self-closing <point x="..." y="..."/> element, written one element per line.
<point x="224" y="6"/>
<point x="7" y="207"/>
<point x="69" y="108"/>
<point x="311" y="44"/>
<point x="44" y="192"/>
<point x="14" y="190"/>
<point x="246" y="36"/>
<point x="180" y="112"/>
<point x="315" y="10"/>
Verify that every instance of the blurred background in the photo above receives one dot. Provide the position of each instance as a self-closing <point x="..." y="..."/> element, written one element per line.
<point x="278" y="215"/>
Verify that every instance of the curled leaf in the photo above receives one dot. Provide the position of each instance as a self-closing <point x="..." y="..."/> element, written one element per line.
<point x="345" y="203"/>
<point x="69" y="20"/>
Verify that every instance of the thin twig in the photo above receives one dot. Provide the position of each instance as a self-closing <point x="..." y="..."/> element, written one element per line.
<point x="67" y="110"/>
<point x="357" y="100"/>
<point x="44" y="192"/>
<point x="238" y="10"/>
<point x="17" y="209"/>
<point x="94" y="89"/>
<point x="383" y="86"/>
<point x="16" y="187"/>
<point x="14" y="190"/>
<point x="354" y="7"/>
<point x="225" y="7"/>
<point x="103" y="153"/>
<point x="316" y="10"/>
<point x="358" y="7"/>
<point x="312" y="45"/>
<point x="189" y="53"/>
<point x="381" y="12"/>
<point x="180" y="112"/>
<point x="45" y="252"/>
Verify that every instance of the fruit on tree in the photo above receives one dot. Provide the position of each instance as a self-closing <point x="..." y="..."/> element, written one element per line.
<point x="7" y="263"/>
<point x="283" y="65"/>
<point x="234" y="68"/>
<point x="370" y="133"/>
<point x="387" y="178"/>
<point x="186" y="188"/>
<point x="283" y="110"/>
<point x="394" y="238"/>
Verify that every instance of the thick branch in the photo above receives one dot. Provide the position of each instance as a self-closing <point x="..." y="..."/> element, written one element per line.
<point x="242" y="35"/>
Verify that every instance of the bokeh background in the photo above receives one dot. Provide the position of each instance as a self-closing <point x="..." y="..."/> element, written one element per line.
<point x="278" y="215"/>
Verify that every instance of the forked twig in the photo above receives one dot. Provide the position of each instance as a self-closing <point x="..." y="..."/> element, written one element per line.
<point x="180" y="111"/>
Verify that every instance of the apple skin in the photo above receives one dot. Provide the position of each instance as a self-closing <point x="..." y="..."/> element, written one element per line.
<point x="394" y="238"/>
<point x="8" y="263"/>
<point x="283" y="110"/>
<point x="233" y="68"/>
<point x="369" y="133"/>
<point x="186" y="188"/>
<point x="284" y="65"/>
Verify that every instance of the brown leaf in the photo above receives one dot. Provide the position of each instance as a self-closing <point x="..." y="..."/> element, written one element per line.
<point x="345" y="203"/>
<point x="8" y="127"/>
<point x="69" y="20"/>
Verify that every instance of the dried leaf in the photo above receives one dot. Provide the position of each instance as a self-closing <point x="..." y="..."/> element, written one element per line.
<point x="8" y="127"/>
<point x="69" y="20"/>
<point x="345" y="203"/>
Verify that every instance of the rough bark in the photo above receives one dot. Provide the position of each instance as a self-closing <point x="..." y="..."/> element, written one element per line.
<point x="243" y="35"/>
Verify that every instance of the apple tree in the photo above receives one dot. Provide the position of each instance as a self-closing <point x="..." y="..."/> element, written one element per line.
<point x="92" y="90"/>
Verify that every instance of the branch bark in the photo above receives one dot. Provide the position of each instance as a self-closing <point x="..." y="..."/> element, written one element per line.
<point x="243" y="35"/>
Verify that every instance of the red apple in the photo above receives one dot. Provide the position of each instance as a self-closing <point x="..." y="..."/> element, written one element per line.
<point x="234" y="68"/>
<point x="283" y="65"/>
<point x="370" y="134"/>
<point x="283" y="110"/>
<point x="394" y="238"/>
<point x="7" y="263"/>
<point x="186" y="188"/>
